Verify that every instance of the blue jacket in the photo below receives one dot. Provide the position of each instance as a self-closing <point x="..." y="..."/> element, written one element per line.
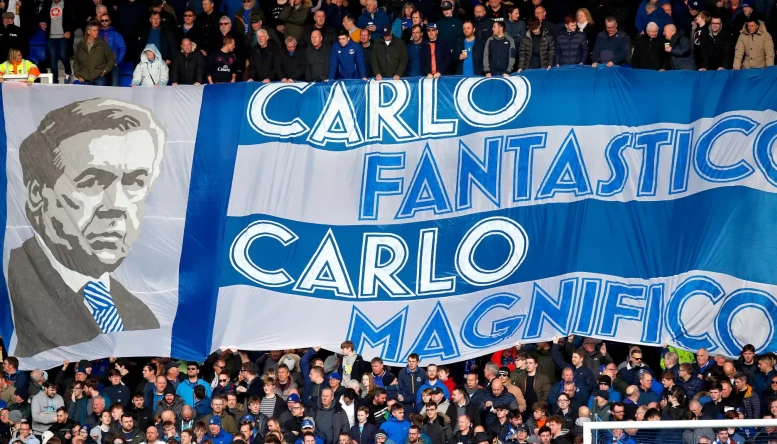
<point x="614" y="397"/>
<point x="115" y="42"/>
<point x="658" y="16"/>
<point x="346" y="62"/>
<point x="20" y="379"/>
<point x="118" y="393"/>
<point x="418" y="64"/>
<point x="379" y="18"/>
<point x="631" y="375"/>
<point x="408" y="383"/>
<point x="762" y="382"/>
<point x="202" y="407"/>
<point x="304" y="364"/>
<point x="185" y="390"/>
<point x="646" y="397"/>
<point x="505" y="399"/>
<point x="222" y="438"/>
<point x="611" y="49"/>
<point x="584" y="379"/>
<point x="581" y="394"/>
<point x="426" y="384"/>
<point x="571" y="48"/>
<point x="395" y="430"/>
<point x="692" y="386"/>
<point x="148" y="395"/>
<point x="365" y="436"/>
<point x="335" y="15"/>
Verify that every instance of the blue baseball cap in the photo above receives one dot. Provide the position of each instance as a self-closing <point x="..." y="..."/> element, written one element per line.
<point x="214" y="420"/>
<point x="431" y="26"/>
<point x="247" y="418"/>
<point x="293" y="398"/>
<point x="308" y="423"/>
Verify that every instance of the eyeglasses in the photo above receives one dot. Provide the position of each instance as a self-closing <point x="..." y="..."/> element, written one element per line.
<point x="638" y="359"/>
<point x="774" y="382"/>
<point x="224" y="24"/>
<point x="223" y="380"/>
<point x="618" y="411"/>
<point x="188" y="15"/>
<point x="105" y="21"/>
<point x="192" y="368"/>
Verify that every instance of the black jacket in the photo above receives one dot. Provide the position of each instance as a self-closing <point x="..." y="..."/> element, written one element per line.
<point x="483" y="28"/>
<point x="188" y="69"/>
<point x="262" y="62"/>
<point x="546" y="50"/>
<point x="289" y="66"/>
<point x="648" y="53"/>
<point x="193" y="34"/>
<point x="476" y="54"/>
<point x="439" y="430"/>
<point x="317" y="63"/>
<point x="208" y="31"/>
<point x="389" y="60"/>
<point x="571" y="48"/>
<point x="166" y="39"/>
<point x="129" y="20"/>
<point x="11" y="37"/>
<point x="443" y="54"/>
<point x="143" y="417"/>
<point x="715" y="51"/>
<point x="328" y="34"/>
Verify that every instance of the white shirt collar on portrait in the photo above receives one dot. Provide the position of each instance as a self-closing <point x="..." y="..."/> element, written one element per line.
<point x="73" y="279"/>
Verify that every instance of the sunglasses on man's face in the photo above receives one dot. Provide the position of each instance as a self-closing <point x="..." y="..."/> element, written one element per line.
<point x="223" y="380"/>
<point x="105" y="21"/>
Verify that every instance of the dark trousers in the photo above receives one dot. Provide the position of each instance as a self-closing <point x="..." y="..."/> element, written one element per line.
<point x="57" y="49"/>
<point x="100" y="81"/>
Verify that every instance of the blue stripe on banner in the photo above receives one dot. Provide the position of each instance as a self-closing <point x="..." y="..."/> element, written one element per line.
<point x="211" y="181"/>
<point x="603" y="90"/>
<point x="6" y="324"/>
<point x="724" y="230"/>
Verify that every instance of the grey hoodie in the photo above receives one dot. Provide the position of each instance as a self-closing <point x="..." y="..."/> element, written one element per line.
<point x="41" y="403"/>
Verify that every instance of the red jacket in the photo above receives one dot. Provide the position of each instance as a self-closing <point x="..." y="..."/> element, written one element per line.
<point x="496" y="358"/>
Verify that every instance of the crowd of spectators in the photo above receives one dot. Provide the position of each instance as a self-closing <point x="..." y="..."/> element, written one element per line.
<point x="538" y="393"/>
<point x="199" y="41"/>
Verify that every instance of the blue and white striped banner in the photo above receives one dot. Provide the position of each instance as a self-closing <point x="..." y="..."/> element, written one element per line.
<point x="448" y="218"/>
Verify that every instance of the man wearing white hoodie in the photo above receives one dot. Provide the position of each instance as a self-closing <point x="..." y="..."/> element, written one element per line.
<point x="152" y="70"/>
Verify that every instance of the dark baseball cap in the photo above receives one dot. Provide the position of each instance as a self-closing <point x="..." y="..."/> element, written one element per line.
<point x="446" y="5"/>
<point x="386" y="31"/>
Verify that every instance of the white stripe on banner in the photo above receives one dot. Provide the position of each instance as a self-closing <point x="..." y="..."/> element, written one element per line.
<point x="456" y="328"/>
<point x="327" y="187"/>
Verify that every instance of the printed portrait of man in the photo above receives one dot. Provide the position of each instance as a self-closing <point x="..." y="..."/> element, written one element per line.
<point x="87" y="171"/>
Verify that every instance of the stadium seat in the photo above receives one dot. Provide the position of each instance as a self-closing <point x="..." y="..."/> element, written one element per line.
<point x="38" y="52"/>
<point x="125" y="73"/>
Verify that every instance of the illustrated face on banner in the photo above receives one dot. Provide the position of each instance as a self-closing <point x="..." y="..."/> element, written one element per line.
<point x="87" y="171"/>
<point x="95" y="206"/>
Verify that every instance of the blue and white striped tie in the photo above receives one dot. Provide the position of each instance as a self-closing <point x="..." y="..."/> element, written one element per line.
<point x="103" y="309"/>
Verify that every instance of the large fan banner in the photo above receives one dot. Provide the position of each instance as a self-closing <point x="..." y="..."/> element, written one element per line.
<point x="446" y="217"/>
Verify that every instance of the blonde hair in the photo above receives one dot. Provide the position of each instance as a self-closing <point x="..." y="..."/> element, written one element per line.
<point x="12" y="53"/>
<point x="587" y="14"/>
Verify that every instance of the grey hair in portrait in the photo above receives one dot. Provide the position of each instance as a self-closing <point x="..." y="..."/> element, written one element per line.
<point x="39" y="152"/>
